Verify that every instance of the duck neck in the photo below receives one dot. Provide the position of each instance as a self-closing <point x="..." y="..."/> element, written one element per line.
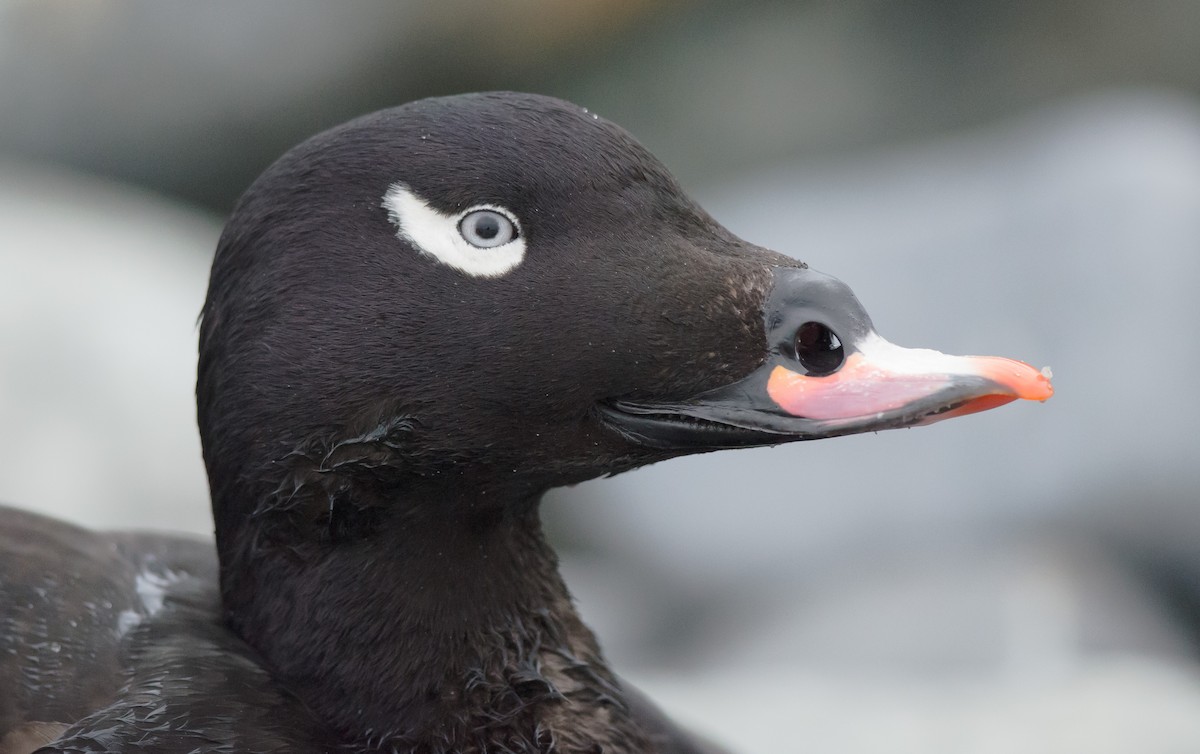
<point x="447" y="630"/>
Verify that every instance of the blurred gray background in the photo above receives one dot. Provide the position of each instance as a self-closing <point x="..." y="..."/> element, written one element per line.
<point x="1020" y="179"/>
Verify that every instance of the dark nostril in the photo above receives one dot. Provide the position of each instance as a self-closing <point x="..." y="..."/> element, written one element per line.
<point x="819" y="349"/>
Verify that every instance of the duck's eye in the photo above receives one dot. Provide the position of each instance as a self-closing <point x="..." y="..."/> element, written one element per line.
<point x="483" y="241"/>
<point x="819" y="349"/>
<point x="486" y="228"/>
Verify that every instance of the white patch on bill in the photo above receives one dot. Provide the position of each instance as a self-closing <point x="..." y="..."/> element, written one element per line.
<point x="912" y="361"/>
<point x="435" y="234"/>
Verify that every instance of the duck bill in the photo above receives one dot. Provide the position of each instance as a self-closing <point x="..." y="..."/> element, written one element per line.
<point x="878" y="386"/>
<point x="884" y="380"/>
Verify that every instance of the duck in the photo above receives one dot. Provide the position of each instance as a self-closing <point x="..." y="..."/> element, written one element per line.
<point x="417" y="323"/>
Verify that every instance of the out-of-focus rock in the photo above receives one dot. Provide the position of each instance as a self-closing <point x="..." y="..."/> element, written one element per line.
<point x="1114" y="706"/>
<point x="1066" y="238"/>
<point x="976" y="586"/>
<point x="100" y="288"/>
<point x="195" y="99"/>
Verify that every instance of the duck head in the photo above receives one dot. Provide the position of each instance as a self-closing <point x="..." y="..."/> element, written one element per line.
<point x="489" y="295"/>
<point x="423" y="319"/>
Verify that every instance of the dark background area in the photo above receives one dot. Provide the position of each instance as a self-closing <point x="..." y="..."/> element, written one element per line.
<point x="193" y="100"/>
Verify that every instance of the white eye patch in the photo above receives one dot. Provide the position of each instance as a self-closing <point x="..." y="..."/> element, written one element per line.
<point x="483" y="241"/>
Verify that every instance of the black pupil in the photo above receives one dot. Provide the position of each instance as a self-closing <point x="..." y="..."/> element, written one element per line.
<point x="818" y="348"/>
<point x="487" y="226"/>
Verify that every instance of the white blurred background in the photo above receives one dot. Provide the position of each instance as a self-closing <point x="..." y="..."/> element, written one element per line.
<point x="1020" y="179"/>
